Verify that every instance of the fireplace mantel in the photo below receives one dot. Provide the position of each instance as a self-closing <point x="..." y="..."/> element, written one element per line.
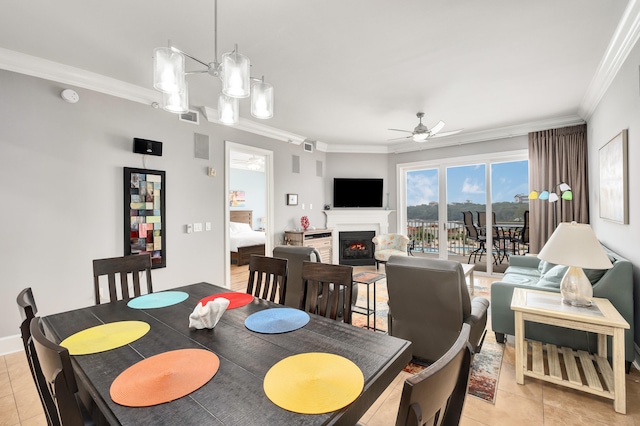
<point x="356" y="220"/>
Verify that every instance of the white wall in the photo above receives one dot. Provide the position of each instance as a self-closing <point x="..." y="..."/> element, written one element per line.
<point x="62" y="202"/>
<point x="619" y="109"/>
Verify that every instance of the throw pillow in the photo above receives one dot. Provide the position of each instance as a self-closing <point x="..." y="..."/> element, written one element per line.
<point x="545" y="266"/>
<point x="553" y="276"/>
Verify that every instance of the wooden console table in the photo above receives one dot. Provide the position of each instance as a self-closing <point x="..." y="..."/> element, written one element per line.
<point x="601" y="378"/>
<point x="320" y="239"/>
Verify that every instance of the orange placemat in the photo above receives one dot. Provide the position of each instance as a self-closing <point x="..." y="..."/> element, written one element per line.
<point x="105" y="337"/>
<point x="313" y="383"/>
<point x="164" y="377"/>
<point x="236" y="299"/>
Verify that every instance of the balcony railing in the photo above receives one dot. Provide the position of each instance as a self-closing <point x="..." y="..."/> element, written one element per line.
<point x="426" y="237"/>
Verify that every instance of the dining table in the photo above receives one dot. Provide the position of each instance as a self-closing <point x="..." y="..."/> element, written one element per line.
<point x="235" y="394"/>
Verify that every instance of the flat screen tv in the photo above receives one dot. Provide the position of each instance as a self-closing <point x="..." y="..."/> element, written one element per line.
<point x="354" y="192"/>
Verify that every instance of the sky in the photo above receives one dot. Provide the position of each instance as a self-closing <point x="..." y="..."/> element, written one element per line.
<point x="469" y="182"/>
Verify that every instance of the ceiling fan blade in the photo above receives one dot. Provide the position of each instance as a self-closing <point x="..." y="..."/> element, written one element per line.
<point x="435" y="129"/>
<point x="453" y="132"/>
<point x="397" y="139"/>
<point x="400" y="130"/>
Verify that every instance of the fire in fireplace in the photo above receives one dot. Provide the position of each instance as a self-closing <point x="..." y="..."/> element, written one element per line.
<point x="356" y="248"/>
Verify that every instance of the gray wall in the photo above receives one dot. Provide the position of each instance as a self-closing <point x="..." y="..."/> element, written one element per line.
<point x="62" y="202"/>
<point x="619" y="109"/>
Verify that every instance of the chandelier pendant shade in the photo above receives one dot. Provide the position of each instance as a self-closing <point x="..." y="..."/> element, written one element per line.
<point x="262" y="100"/>
<point x="234" y="70"/>
<point x="228" y="109"/>
<point x="168" y="70"/>
<point x="177" y="102"/>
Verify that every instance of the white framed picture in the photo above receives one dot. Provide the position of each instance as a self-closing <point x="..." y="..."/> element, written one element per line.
<point x="614" y="190"/>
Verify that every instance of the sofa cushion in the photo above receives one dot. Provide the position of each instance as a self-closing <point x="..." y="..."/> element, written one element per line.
<point x="594" y="275"/>
<point x="522" y="270"/>
<point x="520" y="279"/>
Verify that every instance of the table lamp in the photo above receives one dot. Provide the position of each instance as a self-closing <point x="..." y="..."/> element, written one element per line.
<point x="575" y="245"/>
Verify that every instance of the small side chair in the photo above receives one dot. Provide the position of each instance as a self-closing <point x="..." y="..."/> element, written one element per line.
<point x="436" y="395"/>
<point x="387" y="245"/>
<point x="123" y="266"/>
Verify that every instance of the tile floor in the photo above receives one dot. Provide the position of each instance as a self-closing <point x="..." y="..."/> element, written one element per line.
<point x="534" y="403"/>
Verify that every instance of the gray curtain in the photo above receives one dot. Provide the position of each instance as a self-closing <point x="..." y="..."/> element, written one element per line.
<point x="556" y="156"/>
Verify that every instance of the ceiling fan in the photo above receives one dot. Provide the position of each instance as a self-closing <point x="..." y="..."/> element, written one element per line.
<point x="421" y="132"/>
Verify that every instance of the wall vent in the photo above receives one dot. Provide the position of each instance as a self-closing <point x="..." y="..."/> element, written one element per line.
<point x="191" y="117"/>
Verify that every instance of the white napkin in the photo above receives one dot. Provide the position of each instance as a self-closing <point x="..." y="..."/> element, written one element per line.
<point x="207" y="316"/>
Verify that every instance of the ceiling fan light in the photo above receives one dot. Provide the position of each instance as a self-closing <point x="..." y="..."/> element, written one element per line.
<point x="236" y="80"/>
<point x="420" y="137"/>
<point x="168" y="70"/>
<point x="262" y="100"/>
<point x="227" y="109"/>
<point x="177" y="103"/>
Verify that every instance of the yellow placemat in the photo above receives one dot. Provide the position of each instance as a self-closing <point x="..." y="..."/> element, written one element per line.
<point x="313" y="383"/>
<point x="105" y="337"/>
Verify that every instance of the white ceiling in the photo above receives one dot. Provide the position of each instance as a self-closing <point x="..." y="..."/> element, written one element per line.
<point x="345" y="72"/>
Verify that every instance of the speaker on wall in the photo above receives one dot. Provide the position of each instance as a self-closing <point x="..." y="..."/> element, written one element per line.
<point x="146" y="146"/>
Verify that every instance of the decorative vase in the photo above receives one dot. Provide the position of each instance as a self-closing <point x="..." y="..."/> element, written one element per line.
<point x="304" y="222"/>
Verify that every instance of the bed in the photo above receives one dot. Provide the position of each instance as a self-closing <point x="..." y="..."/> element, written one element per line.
<point x="243" y="240"/>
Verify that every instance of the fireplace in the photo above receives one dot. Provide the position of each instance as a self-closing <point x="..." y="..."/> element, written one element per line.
<point x="356" y="248"/>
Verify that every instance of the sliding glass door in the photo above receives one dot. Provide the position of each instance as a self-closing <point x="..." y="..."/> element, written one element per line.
<point x="490" y="193"/>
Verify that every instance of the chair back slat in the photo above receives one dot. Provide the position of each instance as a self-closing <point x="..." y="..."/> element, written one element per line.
<point x="435" y="396"/>
<point x="122" y="267"/>
<point x="268" y="278"/>
<point x="327" y="290"/>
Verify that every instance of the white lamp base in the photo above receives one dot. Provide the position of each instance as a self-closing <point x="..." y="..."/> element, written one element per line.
<point x="576" y="288"/>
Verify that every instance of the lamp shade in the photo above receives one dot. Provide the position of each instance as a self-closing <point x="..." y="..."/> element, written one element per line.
<point x="262" y="100"/>
<point x="236" y="71"/>
<point x="553" y="197"/>
<point x="533" y="195"/>
<point x="575" y="244"/>
<point x="420" y="137"/>
<point x="228" y="109"/>
<point x="168" y="70"/>
<point x="178" y="102"/>
<point x="544" y="195"/>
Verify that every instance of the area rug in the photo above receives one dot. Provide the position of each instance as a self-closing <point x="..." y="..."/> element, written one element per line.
<point x="485" y="371"/>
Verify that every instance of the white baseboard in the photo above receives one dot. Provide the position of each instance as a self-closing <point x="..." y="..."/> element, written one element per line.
<point x="11" y="344"/>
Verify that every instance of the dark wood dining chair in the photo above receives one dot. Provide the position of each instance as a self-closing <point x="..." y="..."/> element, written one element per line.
<point x="268" y="278"/>
<point x="435" y="396"/>
<point x="28" y="310"/>
<point x="123" y="266"/>
<point x="327" y="290"/>
<point x="60" y="380"/>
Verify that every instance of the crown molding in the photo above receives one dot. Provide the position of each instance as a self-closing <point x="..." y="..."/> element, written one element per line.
<point x="211" y="115"/>
<point x="621" y="44"/>
<point x="37" y="67"/>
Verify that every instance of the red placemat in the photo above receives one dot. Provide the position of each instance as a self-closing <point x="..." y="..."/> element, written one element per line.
<point x="236" y="300"/>
<point x="164" y="377"/>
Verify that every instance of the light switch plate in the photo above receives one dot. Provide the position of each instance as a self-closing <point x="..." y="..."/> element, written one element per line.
<point x="197" y="227"/>
<point x="207" y="226"/>
<point x="189" y="228"/>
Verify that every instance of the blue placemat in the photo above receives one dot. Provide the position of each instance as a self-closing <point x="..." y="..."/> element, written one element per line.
<point x="157" y="300"/>
<point x="277" y="320"/>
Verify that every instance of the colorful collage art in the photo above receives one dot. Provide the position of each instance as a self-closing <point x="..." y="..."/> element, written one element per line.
<point x="145" y="213"/>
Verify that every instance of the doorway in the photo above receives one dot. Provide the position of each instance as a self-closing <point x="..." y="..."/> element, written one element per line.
<point x="248" y="188"/>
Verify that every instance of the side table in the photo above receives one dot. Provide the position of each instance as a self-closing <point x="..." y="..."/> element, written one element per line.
<point x="368" y="278"/>
<point x="602" y="318"/>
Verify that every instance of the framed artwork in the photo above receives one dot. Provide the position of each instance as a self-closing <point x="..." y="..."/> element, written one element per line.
<point x="292" y="199"/>
<point x="144" y="214"/>
<point x="236" y="199"/>
<point x="614" y="190"/>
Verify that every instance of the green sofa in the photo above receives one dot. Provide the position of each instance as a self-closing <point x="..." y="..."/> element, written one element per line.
<point x="615" y="284"/>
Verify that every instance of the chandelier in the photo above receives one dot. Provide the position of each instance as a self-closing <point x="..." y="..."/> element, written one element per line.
<point x="169" y="77"/>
